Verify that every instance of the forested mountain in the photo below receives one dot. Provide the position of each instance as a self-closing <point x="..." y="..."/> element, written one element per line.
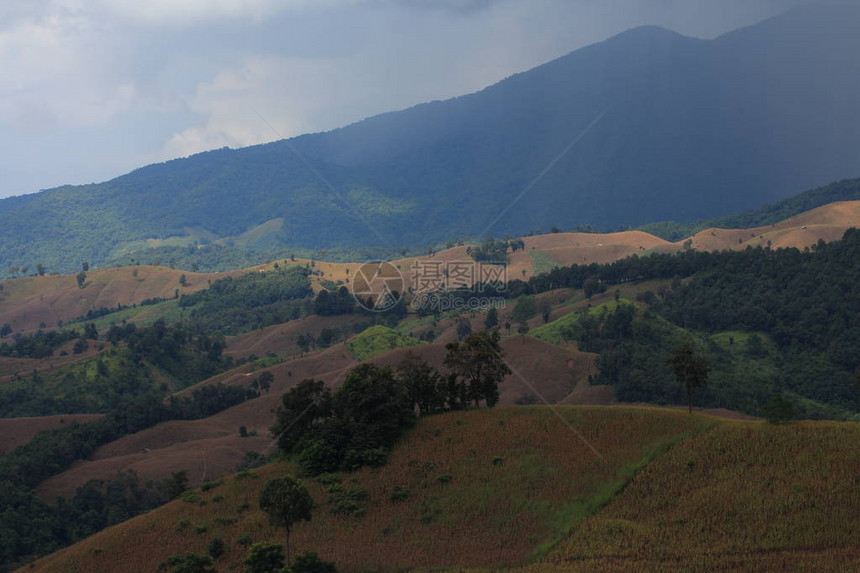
<point x="665" y="127"/>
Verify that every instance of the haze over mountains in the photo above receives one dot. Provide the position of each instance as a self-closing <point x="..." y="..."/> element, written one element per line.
<point x="687" y="129"/>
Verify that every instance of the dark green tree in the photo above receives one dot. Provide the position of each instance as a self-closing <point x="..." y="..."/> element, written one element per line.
<point x="309" y="562"/>
<point x="524" y="309"/>
<point x="545" y="309"/>
<point x="423" y="383"/>
<point x="779" y="410"/>
<point x="492" y="319"/>
<point x="175" y="484"/>
<point x="264" y="381"/>
<point x="265" y="558"/>
<point x="302" y="408"/>
<point x="188" y="563"/>
<point x="375" y="404"/>
<point x="690" y="370"/>
<point x="479" y="363"/>
<point x="286" y="501"/>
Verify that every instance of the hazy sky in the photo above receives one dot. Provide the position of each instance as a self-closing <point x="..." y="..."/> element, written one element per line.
<point x="90" y="89"/>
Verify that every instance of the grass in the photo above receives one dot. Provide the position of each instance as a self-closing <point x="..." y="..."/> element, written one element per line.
<point x="481" y="488"/>
<point x="555" y="332"/>
<point x="541" y="262"/>
<point x="741" y="494"/>
<point x="378" y="339"/>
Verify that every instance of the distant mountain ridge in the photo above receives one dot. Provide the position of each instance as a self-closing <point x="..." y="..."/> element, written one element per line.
<point x="693" y="129"/>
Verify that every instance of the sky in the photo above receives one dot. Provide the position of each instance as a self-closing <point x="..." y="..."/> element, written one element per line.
<point x="91" y="89"/>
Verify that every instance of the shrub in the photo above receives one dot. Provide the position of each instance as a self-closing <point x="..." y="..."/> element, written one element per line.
<point x="309" y="562"/>
<point x="399" y="494"/>
<point x="216" y="548"/>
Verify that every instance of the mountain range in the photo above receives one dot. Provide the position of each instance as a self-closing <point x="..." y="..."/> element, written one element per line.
<point x="646" y="126"/>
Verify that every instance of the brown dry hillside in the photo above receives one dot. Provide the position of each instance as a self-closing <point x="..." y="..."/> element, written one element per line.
<point x="15" y="432"/>
<point x="281" y="338"/>
<point x="12" y="367"/>
<point x="211" y="448"/>
<point x="25" y="303"/>
<point x="28" y="302"/>
<point x="482" y="488"/>
<point x="517" y="488"/>
<point x="206" y="448"/>
<point x="828" y="223"/>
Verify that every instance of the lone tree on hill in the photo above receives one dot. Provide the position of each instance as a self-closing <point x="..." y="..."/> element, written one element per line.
<point x="479" y="362"/>
<point x="690" y="370"/>
<point x="286" y="501"/>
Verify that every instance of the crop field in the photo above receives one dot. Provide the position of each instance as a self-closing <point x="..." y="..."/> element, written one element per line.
<point x="740" y="496"/>
<point x="483" y="488"/>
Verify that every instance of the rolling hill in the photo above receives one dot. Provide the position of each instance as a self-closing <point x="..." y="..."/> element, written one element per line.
<point x="27" y="303"/>
<point x="509" y="487"/>
<point x="664" y="126"/>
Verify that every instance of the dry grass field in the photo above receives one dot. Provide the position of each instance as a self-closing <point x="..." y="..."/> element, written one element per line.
<point x="482" y="488"/>
<point x="516" y="489"/>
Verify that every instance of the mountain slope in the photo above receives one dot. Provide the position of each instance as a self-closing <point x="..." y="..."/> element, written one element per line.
<point x="665" y="127"/>
<point x="506" y="487"/>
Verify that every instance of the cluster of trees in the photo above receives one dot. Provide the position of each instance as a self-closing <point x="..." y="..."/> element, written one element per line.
<point x="355" y="425"/>
<point x="41" y="344"/>
<point x="494" y="251"/>
<point x="253" y="300"/>
<point x="30" y="527"/>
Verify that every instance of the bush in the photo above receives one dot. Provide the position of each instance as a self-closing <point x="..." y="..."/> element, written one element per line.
<point x="188" y="563"/>
<point x="399" y="494"/>
<point x="309" y="562"/>
<point x="779" y="410"/>
<point x="265" y="558"/>
<point x="216" y="548"/>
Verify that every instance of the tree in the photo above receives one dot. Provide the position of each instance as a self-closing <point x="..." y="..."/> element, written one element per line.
<point x="80" y="346"/>
<point x="423" y="384"/>
<point x="264" y="381"/>
<point x="183" y="280"/>
<point x="175" y="484"/>
<point x="265" y="558"/>
<point x="85" y="266"/>
<point x="5" y="330"/>
<point x="779" y="410"/>
<point x="479" y="362"/>
<point x="286" y="501"/>
<point x="81" y="278"/>
<point x="375" y="404"/>
<point x="464" y="327"/>
<point x="492" y="319"/>
<point x="545" y="309"/>
<point x="592" y="286"/>
<point x="90" y="331"/>
<point x="522" y="330"/>
<point x="690" y="369"/>
<point x="40" y="269"/>
<point x="524" y="309"/>
<point x="303" y="407"/>
<point x="303" y="343"/>
<point x="216" y="548"/>
<point x="309" y="562"/>
<point x="188" y="563"/>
